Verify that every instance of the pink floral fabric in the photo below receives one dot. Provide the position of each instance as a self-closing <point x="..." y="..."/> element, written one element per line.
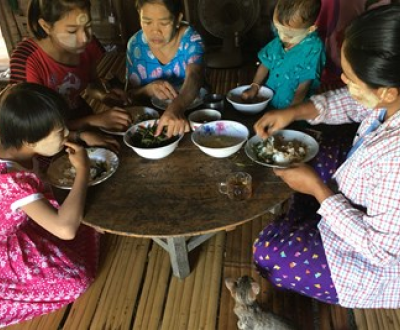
<point x="39" y="272"/>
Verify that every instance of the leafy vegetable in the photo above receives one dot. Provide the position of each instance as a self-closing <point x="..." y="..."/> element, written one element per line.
<point x="144" y="138"/>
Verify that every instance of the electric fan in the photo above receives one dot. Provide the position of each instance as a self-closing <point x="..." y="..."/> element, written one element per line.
<point x="228" y="20"/>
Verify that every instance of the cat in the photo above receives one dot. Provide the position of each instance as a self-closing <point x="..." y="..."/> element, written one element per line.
<point x="251" y="317"/>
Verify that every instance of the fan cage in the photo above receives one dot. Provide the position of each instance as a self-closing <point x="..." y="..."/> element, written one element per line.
<point x="228" y="18"/>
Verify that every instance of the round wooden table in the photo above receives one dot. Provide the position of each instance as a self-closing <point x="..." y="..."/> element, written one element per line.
<point x="176" y="201"/>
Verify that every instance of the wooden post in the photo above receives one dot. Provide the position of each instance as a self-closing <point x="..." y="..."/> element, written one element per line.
<point x="187" y="11"/>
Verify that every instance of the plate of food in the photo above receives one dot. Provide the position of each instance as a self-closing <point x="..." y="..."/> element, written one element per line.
<point x="282" y="149"/>
<point x="103" y="164"/>
<point x="163" y="104"/>
<point x="138" y="114"/>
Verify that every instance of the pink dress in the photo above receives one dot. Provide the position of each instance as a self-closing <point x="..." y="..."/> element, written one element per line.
<point x="39" y="272"/>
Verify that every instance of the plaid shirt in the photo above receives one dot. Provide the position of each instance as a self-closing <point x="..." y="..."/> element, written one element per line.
<point x="360" y="226"/>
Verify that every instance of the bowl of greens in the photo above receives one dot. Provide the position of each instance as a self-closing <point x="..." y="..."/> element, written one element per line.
<point x="141" y="139"/>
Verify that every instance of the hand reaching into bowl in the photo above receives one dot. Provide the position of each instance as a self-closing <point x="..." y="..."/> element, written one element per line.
<point x="115" y="118"/>
<point x="94" y="139"/>
<point x="175" y="122"/>
<point x="251" y="92"/>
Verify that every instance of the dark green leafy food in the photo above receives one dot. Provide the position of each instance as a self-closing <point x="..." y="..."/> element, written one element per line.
<point x="144" y="138"/>
<point x="97" y="169"/>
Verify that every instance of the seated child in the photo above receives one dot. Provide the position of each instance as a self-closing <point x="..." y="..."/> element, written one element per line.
<point x="47" y="257"/>
<point x="292" y="63"/>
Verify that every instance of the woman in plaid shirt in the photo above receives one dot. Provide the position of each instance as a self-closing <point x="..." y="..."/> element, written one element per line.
<point x="348" y="252"/>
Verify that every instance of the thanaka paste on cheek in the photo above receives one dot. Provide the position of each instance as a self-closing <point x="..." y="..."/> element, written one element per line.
<point x="66" y="39"/>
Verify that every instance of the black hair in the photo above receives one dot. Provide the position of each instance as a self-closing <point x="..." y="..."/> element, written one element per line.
<point x="51" y="11"/>
<point x="173" y="6"/>
<point x="28" y="113"/>
<point x="306" y="10"/>
<point x="372" y="46"/>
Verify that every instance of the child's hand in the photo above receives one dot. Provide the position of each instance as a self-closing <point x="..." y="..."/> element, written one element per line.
<point x="250" y="93"/>
<point x="78" y="157"/>
<point x="115" y="118"/>
<point x="94" y="139"/>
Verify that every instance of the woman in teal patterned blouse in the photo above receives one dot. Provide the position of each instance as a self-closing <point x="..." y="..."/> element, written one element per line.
<point x="165" y="60"/>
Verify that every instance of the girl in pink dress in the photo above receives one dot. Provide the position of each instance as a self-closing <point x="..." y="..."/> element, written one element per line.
<point x="47" y="257"/>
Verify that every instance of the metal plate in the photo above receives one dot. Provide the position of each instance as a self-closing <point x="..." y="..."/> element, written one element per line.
<point x="61" y="173"/>
<point x="288" y="135"/>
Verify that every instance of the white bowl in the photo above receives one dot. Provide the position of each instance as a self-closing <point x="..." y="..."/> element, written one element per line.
<point x="234" y="97"/>
<point x="200" y="117"/>
<point x="150" y="153"/>
<point x="221" y="138"/>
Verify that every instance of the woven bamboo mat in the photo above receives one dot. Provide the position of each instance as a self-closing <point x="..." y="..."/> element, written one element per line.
<point x="170" y="303"/>
<point x="110" y="303"/>
<point x="385" y="319"/>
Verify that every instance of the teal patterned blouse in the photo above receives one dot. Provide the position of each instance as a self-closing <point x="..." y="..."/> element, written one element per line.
<point x="288" y="69"/>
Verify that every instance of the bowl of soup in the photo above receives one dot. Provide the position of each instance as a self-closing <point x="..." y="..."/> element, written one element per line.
<point x="249" y="106"/>
<point x="221" y="138"/>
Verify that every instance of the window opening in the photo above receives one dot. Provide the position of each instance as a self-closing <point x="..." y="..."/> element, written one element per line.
<point x="4" y="59"/>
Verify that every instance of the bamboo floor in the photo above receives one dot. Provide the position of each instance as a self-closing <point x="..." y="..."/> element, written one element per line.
<point x="135" y="290"/>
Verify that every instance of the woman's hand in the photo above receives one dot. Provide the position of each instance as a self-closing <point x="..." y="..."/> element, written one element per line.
<point x="78" y="157"/>
<point x="94" y="139"/>
<point x="175" y="122"/>
<point x="113" y="119"/>
<point x="304" y="179"/>
<point x="273" y="121"/>
<point x="163" y="90"/>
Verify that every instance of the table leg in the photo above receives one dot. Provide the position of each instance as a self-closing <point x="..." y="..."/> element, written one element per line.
<point x="178" y="249"/>
<point x="178" y="253"/>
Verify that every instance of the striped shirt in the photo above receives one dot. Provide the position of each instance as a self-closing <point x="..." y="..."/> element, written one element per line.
<point x="30" y="63"/>
<point x="360" y="226"/>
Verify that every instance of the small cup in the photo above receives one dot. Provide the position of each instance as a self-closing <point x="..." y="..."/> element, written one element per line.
<point x="237" y="186"/>
<point x="214" y="101"/>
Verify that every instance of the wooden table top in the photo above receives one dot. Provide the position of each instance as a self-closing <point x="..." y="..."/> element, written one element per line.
<point x="178" y="195"/>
